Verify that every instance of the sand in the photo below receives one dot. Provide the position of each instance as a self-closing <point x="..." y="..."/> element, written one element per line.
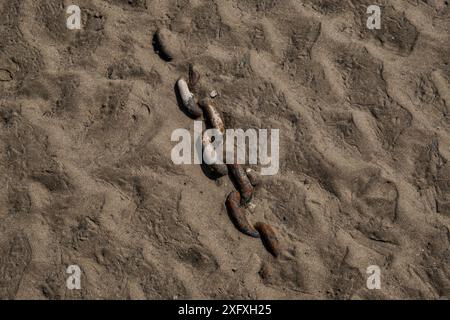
<point x="87" y="178"/>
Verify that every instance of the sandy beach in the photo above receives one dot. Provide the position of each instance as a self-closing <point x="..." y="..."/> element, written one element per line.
<point x="86" y="118"/>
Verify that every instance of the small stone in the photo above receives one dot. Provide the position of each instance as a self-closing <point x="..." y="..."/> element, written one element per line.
<point x="213" y="94"/>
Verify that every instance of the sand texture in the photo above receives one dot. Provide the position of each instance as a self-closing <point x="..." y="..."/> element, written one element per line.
<point x="85" y="152"/>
